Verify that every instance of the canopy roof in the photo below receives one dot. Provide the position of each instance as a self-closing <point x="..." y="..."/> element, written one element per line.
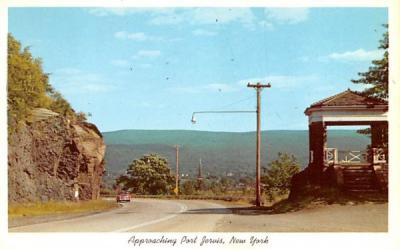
<point x="348" y="107"/>
<point x="345" y="99"/>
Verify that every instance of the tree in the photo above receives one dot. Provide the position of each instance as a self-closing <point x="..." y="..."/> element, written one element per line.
<point x="378" y="74"/>
<point x="61" y="106"/>
<point x="377" y="78"/>
<point x="148" y="175"/>
<point x="29" y="88"/>
<point x="28" y="85"/>
<point x="279" y="174"/>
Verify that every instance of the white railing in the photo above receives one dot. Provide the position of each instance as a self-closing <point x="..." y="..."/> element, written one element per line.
<point x="334" y="156"/>
<point x="352" y="157"/>
<point x="330" y="155"/>
<point x="379" y="155"/>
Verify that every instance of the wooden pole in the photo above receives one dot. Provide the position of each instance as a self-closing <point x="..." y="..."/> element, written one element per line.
<point x="258" y="154"/>
<point x="258" y="88"/>
<point x="177" y="170"/>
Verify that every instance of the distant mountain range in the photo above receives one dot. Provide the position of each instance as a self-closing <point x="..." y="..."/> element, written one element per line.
<point x="221" y="152"/>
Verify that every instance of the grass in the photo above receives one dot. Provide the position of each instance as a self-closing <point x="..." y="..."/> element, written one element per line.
<point x="313" y="198"/>
<point x="16" y="210"/>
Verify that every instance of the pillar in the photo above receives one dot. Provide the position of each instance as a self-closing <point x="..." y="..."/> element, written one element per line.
<point x="379" y="135"/>
<point x="317" y="145"/>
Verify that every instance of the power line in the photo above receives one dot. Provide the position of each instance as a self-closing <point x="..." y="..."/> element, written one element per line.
<point x="237" y="102"/>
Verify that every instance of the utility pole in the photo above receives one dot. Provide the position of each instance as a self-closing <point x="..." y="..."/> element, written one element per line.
<point x="258" y="88"/>
<point x="177" y="170"/>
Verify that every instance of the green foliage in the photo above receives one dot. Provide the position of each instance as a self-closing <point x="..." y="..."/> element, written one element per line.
<point x="148" y="175"/>
<point x="29" y="88"/>
<point x="279" y="174"/>
<point x="378" y="74"/>
<point x="61" y="106"/>
<point x="226" y="183"/>
<point x="27" y="85"/>
<point x="188" y="187"/>
<point x="377" y="77"/>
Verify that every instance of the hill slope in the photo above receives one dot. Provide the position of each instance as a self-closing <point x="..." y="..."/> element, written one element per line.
<point x="221" y="152"/>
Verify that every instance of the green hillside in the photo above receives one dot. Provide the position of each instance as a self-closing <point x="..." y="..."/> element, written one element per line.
<point x="221" y="152"/>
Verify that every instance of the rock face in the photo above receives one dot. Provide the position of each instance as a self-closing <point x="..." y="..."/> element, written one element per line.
<point x="51" y="159"/>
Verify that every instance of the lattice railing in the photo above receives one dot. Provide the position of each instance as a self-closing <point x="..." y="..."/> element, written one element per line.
<point x="330" y="155"/>
<point x="353" y="156"/>
<point x="334" y="156"/>
<point x="379" y="155"/>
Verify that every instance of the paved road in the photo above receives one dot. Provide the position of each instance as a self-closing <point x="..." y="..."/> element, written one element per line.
<point x="146" y="215"/>
<point x="141" y="215"/>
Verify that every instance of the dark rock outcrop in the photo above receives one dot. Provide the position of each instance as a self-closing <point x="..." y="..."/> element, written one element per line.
<point x="51" y="158"/>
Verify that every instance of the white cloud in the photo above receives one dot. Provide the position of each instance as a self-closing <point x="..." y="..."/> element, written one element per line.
<point x="136" y="36"/>
<point x="140" y="36"/>
<point x="120" y="63"/>
<point x="147" y="53"/>
<point x="75" y="81"/>
<point x="206" y="16"/>
<point x="356" y="55"/>
<point x="167" y="18"/>
<point x="198" y="16"/>
<point x="120" y="11"/>
<point x="287" y="15"/>
<point x="202" y="32"/>
<point x="283" y="82"/>
<point x="193" y="16"/>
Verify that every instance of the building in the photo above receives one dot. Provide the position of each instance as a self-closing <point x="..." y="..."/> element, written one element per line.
<point x="350" y="171"/>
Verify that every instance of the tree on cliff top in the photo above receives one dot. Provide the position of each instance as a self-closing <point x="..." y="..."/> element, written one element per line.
<point x="148" y="175"/>
<point x="28" y="86"/>
<point x="377" y="76"/>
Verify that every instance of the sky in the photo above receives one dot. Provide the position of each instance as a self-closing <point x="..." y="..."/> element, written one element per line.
<point x="135" y="68"/>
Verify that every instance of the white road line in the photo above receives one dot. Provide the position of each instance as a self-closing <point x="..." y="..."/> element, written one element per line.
<point x="183" y="208"/>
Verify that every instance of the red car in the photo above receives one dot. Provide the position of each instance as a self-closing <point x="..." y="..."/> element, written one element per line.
<point x="124" y="197"/>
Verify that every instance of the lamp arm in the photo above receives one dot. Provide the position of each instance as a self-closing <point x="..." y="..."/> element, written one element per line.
<point x="221" y="111"/>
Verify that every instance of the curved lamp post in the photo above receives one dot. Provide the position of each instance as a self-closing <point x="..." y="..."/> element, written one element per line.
<point x="219" y="112"/>
<point x="258" y="87"/>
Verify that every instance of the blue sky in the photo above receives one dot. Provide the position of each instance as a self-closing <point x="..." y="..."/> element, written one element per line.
<point x="151" y="68"/>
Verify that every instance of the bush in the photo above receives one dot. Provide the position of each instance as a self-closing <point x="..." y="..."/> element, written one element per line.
<point x="277" y="180"/>
<point x="148" y="175"/>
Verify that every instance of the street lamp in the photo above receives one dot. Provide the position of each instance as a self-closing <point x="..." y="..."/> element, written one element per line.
<point x="259" y="87"/>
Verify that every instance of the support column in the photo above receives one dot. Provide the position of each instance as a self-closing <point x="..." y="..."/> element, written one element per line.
<point x="379" y="135"/>
<point x="380" y="157"/>
<point x="317" y="144"/>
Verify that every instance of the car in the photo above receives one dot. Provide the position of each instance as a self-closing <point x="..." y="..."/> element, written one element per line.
<point x="124" y="197"/>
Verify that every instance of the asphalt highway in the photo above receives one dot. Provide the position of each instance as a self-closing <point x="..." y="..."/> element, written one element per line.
<point x="152" y="215"/>
<point x="141" y="215"/>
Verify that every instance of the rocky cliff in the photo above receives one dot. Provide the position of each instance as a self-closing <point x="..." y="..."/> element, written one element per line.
<point x="54" y="159"/>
